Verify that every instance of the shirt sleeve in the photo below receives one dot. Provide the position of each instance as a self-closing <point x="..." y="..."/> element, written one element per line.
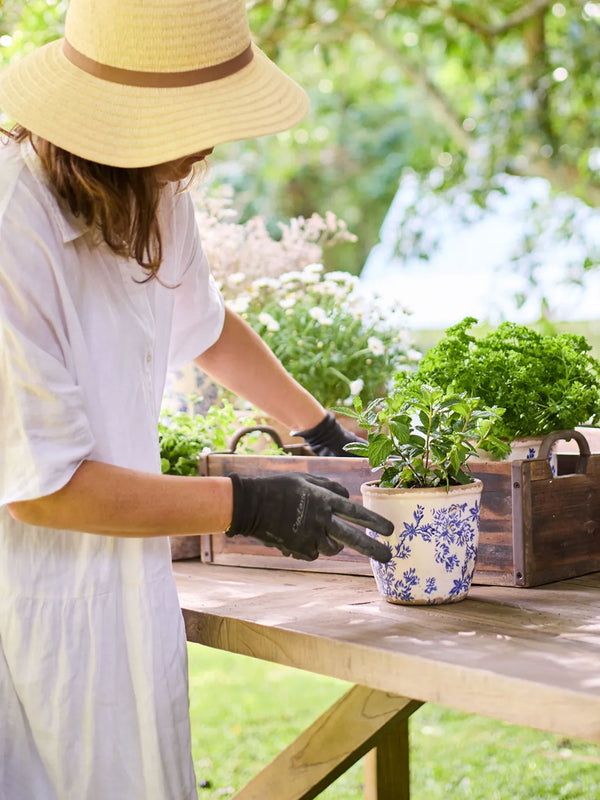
<point x="44" y="431"/>
<point x="199" y="309"/>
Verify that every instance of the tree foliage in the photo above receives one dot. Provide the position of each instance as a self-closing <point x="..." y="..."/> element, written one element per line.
<point x="470" y="89"/>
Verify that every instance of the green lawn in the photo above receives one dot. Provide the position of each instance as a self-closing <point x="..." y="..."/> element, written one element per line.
<point x="245" y="711"/>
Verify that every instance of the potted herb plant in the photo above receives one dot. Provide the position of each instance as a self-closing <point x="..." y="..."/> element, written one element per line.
<point x="421" y="438"/>
<point x="544" y="382"/>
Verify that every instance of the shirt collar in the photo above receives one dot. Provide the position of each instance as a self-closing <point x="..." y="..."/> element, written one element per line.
<point x="70" y="226"/>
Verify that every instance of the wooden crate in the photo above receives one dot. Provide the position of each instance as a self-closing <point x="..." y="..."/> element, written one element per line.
<point x="535" y="528"/>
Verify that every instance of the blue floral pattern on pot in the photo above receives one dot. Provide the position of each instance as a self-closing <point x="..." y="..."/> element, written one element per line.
<point x="523" y="449"/>
<point x="434" y="544"/>
<point x="529" y="448"/>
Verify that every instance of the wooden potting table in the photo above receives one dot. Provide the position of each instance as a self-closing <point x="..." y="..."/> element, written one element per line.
<point x="524" y="656"/>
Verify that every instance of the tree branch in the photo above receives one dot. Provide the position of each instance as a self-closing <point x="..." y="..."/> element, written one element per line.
<point x="487" y="31"/>
<point x="530" y="10"/>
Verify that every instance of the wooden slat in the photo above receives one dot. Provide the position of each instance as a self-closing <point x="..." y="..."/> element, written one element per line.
<point x="351" y="472"/>
<point x="257" y="559"/>
<point x="325" y="750"/>
<point x="522" y="655"/>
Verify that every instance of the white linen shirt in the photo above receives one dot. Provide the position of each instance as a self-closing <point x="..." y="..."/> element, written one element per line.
<point x="93" y="671"/>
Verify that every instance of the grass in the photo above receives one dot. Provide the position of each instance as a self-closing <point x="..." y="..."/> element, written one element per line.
<point x="245" y="711"/>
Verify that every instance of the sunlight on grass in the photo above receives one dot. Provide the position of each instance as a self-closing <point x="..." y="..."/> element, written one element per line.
<point x="245" y="711"/>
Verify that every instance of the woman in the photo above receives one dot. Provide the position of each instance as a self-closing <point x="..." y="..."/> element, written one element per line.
<point x="103" y="287"/>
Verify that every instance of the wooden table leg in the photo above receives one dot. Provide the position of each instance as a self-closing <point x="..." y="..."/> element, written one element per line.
<point x="359" y="721"/>
<point x="386" y="766"/>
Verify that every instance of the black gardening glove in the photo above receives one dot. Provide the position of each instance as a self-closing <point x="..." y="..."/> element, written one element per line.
<point x="304" y="516"/>
<point x="328" y="437"/>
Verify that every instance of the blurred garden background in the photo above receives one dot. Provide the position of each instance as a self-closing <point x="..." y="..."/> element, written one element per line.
<point x="449" y="166"/>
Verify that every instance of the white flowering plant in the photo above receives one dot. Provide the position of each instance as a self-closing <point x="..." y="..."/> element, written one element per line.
<point x="239" y="252"/>
<point x="337" y="342"/>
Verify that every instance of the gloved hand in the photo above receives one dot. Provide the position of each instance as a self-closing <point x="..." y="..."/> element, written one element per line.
<point x="328" y="437"/>
<point x="304" y="515"/>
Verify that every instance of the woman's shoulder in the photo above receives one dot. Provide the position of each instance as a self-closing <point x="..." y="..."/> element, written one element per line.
<point x="179" y="230"/>
<point x="11" y="169"/>
<point x="28" y="206"/>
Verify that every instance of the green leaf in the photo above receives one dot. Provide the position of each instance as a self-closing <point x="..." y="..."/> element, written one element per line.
<point x="463" y="477"/>
<point x="379" y="449"/>
<point x="455" y="460"/>
<point x="400" y="431"/>
<point x="389" y="477"/>
<point x="345" y="411"/>
<point x="357" y="448"/>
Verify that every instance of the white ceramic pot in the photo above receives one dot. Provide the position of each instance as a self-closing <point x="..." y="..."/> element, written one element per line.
<point x="434" y="543"/>
<point x="522" y="450"/>
<point x="529" y="447"/>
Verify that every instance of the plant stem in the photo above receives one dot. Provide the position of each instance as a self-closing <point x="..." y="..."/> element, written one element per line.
<point x="428" y="437"/>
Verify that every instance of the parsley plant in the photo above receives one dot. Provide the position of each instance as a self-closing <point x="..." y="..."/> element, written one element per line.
<point x="544" y="382"/>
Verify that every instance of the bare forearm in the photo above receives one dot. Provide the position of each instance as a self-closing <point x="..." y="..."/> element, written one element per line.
<point x="242" y="362"/>
<point x="104" y="499"/>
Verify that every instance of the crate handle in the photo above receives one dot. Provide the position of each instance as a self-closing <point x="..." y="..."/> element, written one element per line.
<point x="239" y="434"/>
<point x="556" y="436"/>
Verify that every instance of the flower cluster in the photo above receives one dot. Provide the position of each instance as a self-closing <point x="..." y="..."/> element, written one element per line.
<point x="241" y="252"/>
<point x="337" y="342"/>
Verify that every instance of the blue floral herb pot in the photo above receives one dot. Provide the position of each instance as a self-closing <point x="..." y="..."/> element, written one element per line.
<point x="434" y="543"/>
<point x="529" y="447"/>
<point x="522" y="450"/>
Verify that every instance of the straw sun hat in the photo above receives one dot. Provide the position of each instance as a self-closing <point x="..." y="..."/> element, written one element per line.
<point x="139" y="83"/>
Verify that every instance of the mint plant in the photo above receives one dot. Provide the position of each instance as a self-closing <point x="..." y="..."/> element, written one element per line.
<point x="422" y="436"/>
<point x="544" y="382"/>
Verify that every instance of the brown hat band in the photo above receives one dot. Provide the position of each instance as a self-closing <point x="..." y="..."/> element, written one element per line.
<point x="157" y="80"/>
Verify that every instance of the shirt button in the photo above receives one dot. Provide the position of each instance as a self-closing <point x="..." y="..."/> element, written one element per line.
<point x="148" y="358"/>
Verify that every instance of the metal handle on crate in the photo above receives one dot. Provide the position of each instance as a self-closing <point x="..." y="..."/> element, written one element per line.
<point x="556" y="436"/>
<point x="239" y="434"/>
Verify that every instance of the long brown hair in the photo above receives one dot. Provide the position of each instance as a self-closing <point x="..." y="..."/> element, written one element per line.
<point x="122" y="204"/>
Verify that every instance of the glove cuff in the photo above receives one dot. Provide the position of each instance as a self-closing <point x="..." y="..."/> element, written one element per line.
<point x="245" y="506"/>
